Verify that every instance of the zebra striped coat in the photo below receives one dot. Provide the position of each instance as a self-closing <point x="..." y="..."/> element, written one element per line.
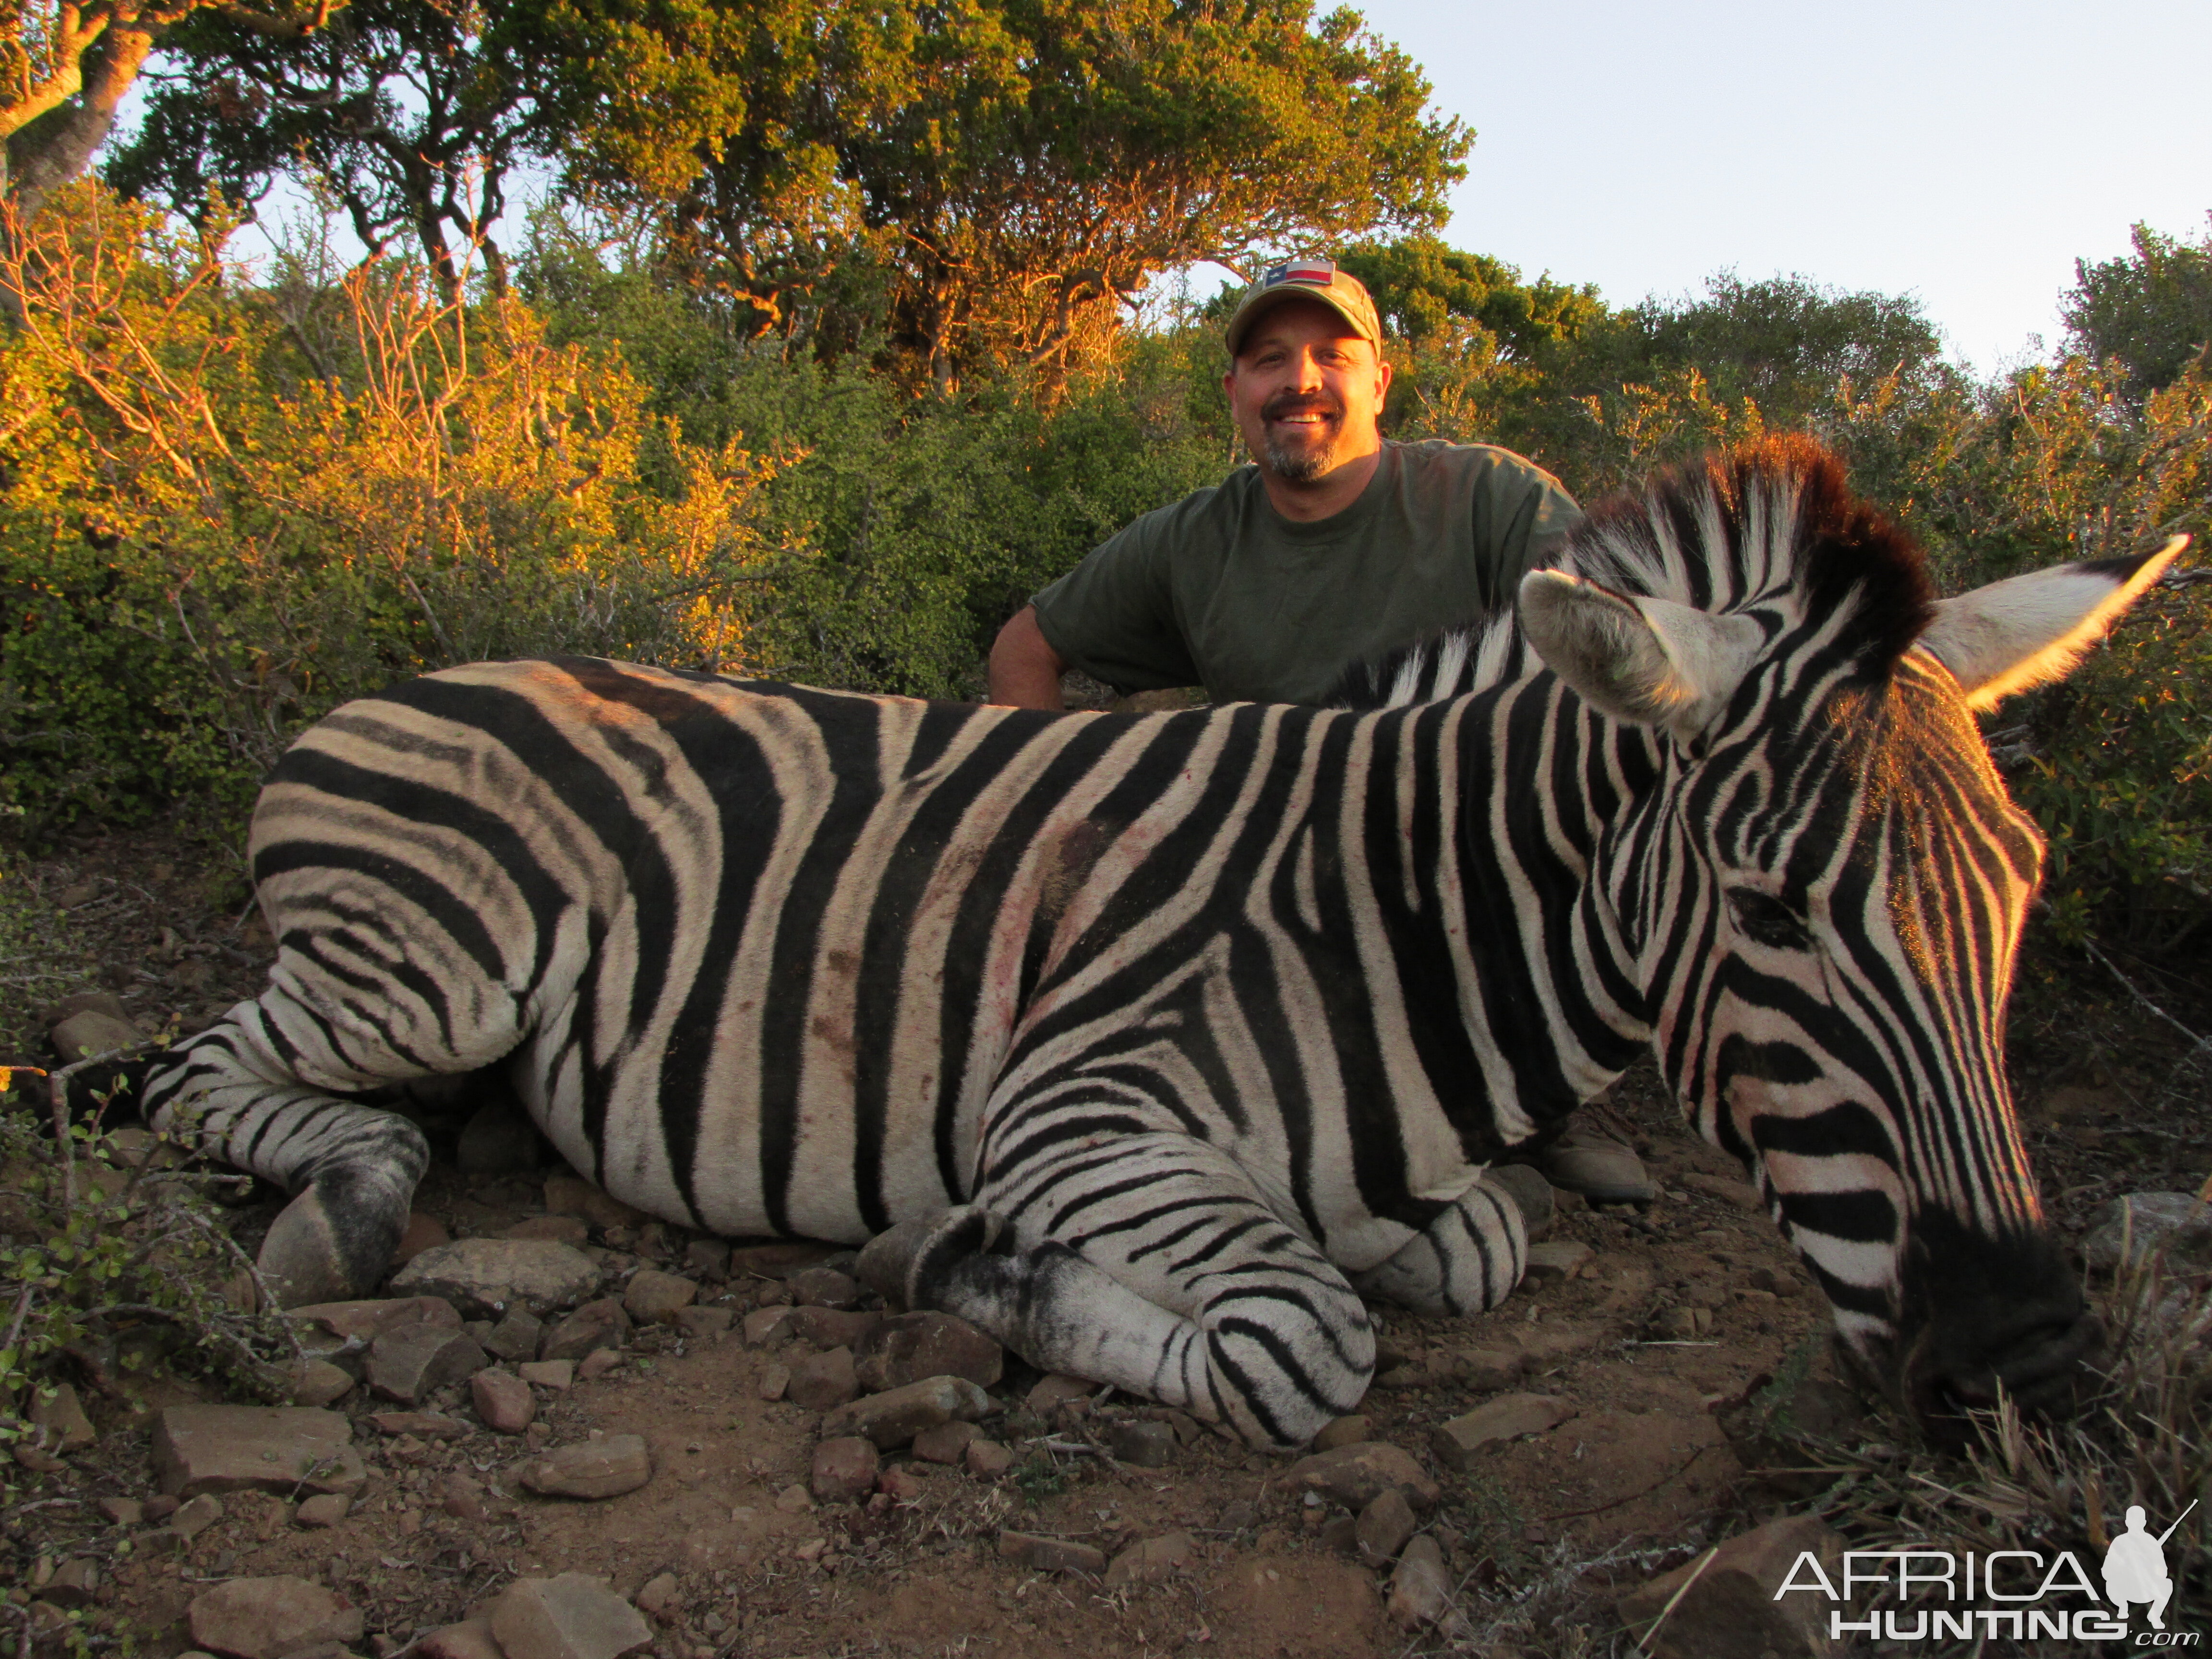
<point x="1152" y="1043"/>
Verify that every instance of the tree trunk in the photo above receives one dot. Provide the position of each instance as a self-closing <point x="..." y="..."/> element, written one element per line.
<point x="59" y="146"/>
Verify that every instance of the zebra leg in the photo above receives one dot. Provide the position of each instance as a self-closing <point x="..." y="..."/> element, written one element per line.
<point x="1468" y="1260"/>
<point x="252" y="1096"/>
<point x="1151" y="1262"/>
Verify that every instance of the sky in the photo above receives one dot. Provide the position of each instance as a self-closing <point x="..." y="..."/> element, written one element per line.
<point x="1966" y="152"/>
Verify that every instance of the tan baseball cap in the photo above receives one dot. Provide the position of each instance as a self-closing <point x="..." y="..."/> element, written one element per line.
<point x="1307" y="279"/>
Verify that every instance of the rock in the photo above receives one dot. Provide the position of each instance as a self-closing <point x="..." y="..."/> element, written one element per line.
<point x="1147" y="1445"/>
<point x="364" y="1321"/>
<point x="1488" y="1369"/>
<point x="73" y="1584"/>
<point x="462" y="1498"/>
<point x="661" y="1597"/>
<point x="484" y="1277"/>
<point x="1741" y="1194"/>
<point x="558" y="1375"/>
<point x="795" y="1500"/>
<point x="561" y="1229"/>
<point x="415" y="1361"/>
<point x="894" y="1417"/>
<point x="765" y="1326"/>
<point x="1356" y="1476"/>
<point x="903" y="1482"/>
<point x="822" y="1381"/>
<point x="324" y="1510"/>
<point x="1149" y="1560"/>
<point x="90" y="1031"/>
<point x="1730" y="1611"/>
<point x="193" y="1518"/>
<point x="845" y="1469"/>
<point x="423" y="1232"/>
<point x="601" y="1324"/>
<point x="590" y="1469"/>
<point x="945" y="1443"/>
<point x="470" y="1639"/>
<point x="910" y="1347"/>
<point x="1780" y="1283"/>
<point x="1556" y="1260"/>
<point x="1344" y="1431"/>
<point x="2142" y="1224"/>
<point x="503" y="1401"/>
<point x="271" y="1618"/>
<point x="704" y="1324"/>
<point x="1049" y="1554"/>
<point x="1681" y="1324"/>
<point x="708" y="1259"/>
<point x="986" y="1460"/>
<point x="1506" y="1418"/>
<point x="123" y="1512"/>
<point x="574" y="1616"/>
<point x="516" y="1338"/>
<point x="224" y="1449"/>
<point x="776" y="1261"/>
<point x="597" y="1363"/>
<point x="1420" y="1589"/>
<point x="832" y="1327"/>
<point x="652" y="1297"/>
<point x="571" y="1194"/>
<point x="774" y="1380"/>
<point x="1384" y="1526"/>
<point x="498" y="1139"/>
<point x="1340" y="1535"/>
<point x="60" y="1419"/>
<point x="319" y="1383"/>
<point x="1051" y="1392"/>
<point x="161" y="1507"/>
<point x="431" y="1425"/>
<point x="822" y="1287"/>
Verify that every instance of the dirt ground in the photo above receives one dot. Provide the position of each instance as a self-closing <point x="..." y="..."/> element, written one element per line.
<point x="1678" y="1309"/>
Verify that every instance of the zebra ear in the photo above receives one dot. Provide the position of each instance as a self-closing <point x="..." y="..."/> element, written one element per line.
<point x="1650" y="662"/>
<point x="2030" y="630"/>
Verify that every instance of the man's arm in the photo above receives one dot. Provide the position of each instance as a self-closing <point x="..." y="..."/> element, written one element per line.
<point x="1025" y="670"/>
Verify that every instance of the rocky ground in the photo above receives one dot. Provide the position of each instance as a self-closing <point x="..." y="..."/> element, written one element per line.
<point x="568" y="1432"/>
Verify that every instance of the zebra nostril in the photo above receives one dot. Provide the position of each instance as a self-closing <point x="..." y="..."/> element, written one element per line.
<point x="2042" y="1368"/>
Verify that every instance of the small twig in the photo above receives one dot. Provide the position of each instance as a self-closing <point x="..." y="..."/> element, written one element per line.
<point x="22" y="1311"/>
<point x="2195" y="1041"/>
<point x="1644" y="1641"/>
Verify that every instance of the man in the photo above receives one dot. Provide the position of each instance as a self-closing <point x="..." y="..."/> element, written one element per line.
<point x="1332" y="547"/>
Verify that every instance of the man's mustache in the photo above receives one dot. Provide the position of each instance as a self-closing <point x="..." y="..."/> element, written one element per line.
<point x="1276" y="408"/>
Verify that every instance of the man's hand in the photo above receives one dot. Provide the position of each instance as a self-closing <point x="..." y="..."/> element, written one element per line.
<point x="1025" y="670"/>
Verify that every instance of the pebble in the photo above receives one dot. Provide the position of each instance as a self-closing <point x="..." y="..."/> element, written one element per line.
<point x="1740" y="1193"/>
<point x="832" y="1327"/>
<point x="653" y="1297"/>
<point x="470" y="1639"/>
<point x="1420" y="1589"/>
<point x="73" y="1585"/>
<point x="1384" y="1526"/>
<point x="1049" y="1554"/>
<point x="223" y="1449"/>
<point x="410" y="1362"/>
<point x="1729" y="1606"/>
<point x="558" y="1375"/>
<point x="1488" y="1369"/>
<point x="775" y="1380"/>
<point x="1146" y="1445"/>
<point x="2141" y="1224"/>
<point x="271" y="1618"/>
<point x="765" y="1326"/>
<point x="597" y="1363"/>
<point x="822" y="1287"/>
<point x="1356" y="1476"/>
<point x="845" y="1469"/>
<point x="574" y="1616"/>
<point x="516" y="1337"/>
<point x="704" y="1324"/>
<point x="503" y="1401"/>
<point x="1150" y="1560"/>
<point x="903" y="1482"/>
<point x="894" y="1417"/>
<point x="708" y="1259"/>
<point x="561" y="1229"/>
<point x="986" y="1460"/>
<point x="945" y="1443"/>
<point x="123" y="1512"/>
<point x="484" y="1277"/>
<point x="601" y="1324"/>
<point x="58" y="1414"/>
<point x="908" y="1347"/>
<point x="364" y="1319"/>
<point x="422" y="1232"/>
<point x="822" y="1381"/>
<point x="1556" y="1260"/>
<point x="326" y="1510"/>
<point x="1054" y="1390"/>
<point x="660" y="1597"/>
<point x="498" y="1139"/>
<point x="1344" y="1431"/>
<point x="319" y="1383"/>
<point x="195" y="1518"/>
<point x="1239" y="1516"/>
<point x="431" y="1425"/>
<point x="591" y="1469"/>
<point x="571" y="1194"/>
<point x="1508" y="1417"/>
<point x="776" y="1261"/>
<point x="462" y="1498"/>
<point x="795" y="1500"/>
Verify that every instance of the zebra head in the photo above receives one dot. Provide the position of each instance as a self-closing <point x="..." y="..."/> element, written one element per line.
<point x="1822" y="891"/>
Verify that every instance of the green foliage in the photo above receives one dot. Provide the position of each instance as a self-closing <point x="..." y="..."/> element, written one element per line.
<point x="2148" y="316"/>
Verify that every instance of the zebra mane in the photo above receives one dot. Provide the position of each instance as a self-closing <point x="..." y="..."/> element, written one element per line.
<point x="1772" y="522"/>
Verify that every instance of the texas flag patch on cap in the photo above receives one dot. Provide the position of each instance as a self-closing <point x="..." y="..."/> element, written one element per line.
<point x="1317" y="273"/>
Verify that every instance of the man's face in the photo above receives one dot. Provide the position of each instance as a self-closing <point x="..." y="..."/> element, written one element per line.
<point x="1307" y="392"/>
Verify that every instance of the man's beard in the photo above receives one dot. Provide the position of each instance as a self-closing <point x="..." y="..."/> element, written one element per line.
<point x="1300" y="465"/>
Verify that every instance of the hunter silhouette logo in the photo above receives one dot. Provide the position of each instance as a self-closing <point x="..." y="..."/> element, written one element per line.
<point x="2135" y="1566"/>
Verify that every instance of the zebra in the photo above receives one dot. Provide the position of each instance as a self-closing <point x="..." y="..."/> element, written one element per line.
<point x="1155" y="1046"/>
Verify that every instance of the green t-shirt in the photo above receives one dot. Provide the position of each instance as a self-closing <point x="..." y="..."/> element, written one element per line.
<point x="1220" y="590"/>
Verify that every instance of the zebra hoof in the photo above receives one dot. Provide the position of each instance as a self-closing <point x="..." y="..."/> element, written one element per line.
<point x="311" y="1255"/>
<point x="886" y="1259"/>
<point x="956" y="1236"/>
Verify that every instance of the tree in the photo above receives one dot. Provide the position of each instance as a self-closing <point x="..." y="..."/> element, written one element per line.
<point x="988" y="182"/>
<point x="67" y="66"/>
<point x="409" y="114"/>
<point x="1427" y="292"/>
<point x="2151" y="313"/>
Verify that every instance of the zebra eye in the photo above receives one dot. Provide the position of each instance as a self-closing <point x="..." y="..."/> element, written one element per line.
<point x="1768" y="920"/>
